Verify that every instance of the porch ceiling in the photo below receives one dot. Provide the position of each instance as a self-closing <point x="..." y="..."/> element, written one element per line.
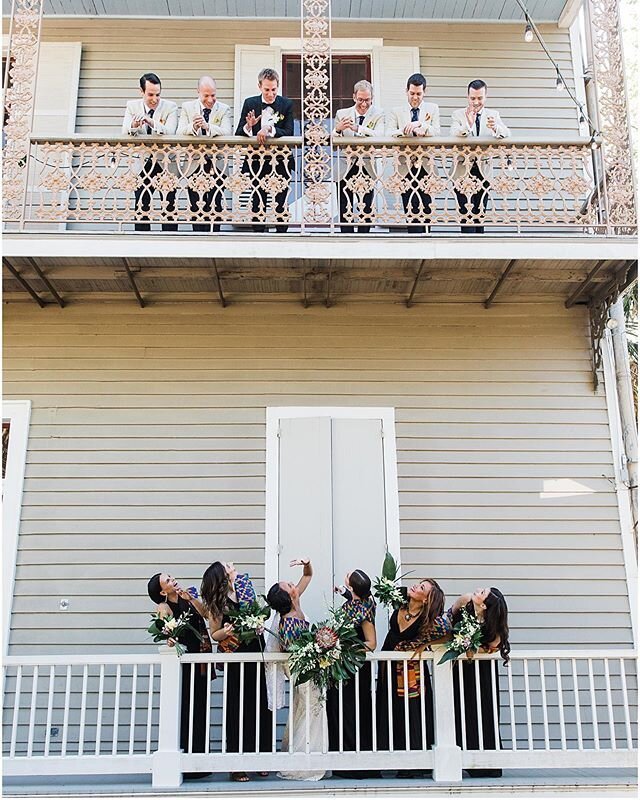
<point x="540" y="10"/>
<point x="314" y="281"/>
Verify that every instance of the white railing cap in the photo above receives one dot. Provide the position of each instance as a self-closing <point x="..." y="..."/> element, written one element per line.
<point x="154" y="140"/>
<point x="131" y="659"/>
<point x="338" y="141"/>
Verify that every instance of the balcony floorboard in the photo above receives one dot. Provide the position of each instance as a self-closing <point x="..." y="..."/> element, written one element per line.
<point x="547" y="783"/>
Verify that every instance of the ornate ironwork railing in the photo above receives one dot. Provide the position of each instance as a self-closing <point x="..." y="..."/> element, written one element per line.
<point x="514" y="185"/>
<point x="511" y="186"/>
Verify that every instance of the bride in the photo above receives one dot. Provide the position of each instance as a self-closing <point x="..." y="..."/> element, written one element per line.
<point x="307" y="736"/>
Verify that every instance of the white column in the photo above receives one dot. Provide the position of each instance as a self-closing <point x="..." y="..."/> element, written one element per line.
<point x="166" y="768"/>
<point x="447" y="754"/>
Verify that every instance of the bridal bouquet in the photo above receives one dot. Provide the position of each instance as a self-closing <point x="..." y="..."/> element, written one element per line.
<point x="385" y="588"/>
<point x="467" y="638"/>
<point x="249" y="620"/>
<point x="327" y="653"/>
<point x="163" y="628"/>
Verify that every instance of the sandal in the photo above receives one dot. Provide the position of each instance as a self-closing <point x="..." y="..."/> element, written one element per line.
<point x="239" y="777"/>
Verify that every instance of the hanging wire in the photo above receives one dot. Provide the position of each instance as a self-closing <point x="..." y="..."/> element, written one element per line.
<point x="531" y="30"/>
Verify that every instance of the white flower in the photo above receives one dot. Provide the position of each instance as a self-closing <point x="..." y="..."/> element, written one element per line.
<point x="171" y="624"/>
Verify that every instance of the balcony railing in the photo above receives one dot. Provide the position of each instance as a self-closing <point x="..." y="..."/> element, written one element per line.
<point x="397" y="185"/>
<point x="79" y="715"/>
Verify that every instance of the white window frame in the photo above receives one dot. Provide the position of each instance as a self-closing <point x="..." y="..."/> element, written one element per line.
<point x="392" y="510"/>
<point x="18" y="414"/>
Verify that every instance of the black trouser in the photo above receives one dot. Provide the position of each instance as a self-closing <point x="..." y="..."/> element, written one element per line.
<point x="478" y="201"/>
<point x="416" y="202"/>
<point x="346" y="197"/>
<point x="144" y="193"/>
<point x="260" y="170"/>
<point x="201" y="203"/>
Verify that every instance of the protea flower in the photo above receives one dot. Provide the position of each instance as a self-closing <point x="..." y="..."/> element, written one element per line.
<point x="326" y="637"/>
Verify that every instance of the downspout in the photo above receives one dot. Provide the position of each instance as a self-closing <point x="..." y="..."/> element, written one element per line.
<point x="621" y="480"/>
<point x="624" y="385"/>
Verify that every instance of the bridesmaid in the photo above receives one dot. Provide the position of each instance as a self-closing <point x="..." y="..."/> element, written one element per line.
<point x="419" y="620"/>
<point x="360" y="608"/>
<point x="223" y="588"/>
<point x="302" y="733"/>
<point x="489" y="606"/>
<point x="173" y="600"/>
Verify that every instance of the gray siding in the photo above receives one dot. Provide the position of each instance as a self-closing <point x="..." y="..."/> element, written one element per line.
<point x="520" y="77"/>
<point x="147" y="451"/>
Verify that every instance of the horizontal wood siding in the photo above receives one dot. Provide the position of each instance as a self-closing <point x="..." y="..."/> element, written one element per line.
<point x="147" y="451"/>
<point x="521" y="79"/>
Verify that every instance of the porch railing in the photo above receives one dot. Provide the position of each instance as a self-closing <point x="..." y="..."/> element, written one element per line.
<point x="117" y="714"/>
<point x="102" y="184"/>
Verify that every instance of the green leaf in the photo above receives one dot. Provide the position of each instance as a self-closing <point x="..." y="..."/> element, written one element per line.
<point x="450" y="655"/>
<point x="389" y="567"/>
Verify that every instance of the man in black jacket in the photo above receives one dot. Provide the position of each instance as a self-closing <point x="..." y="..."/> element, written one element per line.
<point x="267" y="116"/>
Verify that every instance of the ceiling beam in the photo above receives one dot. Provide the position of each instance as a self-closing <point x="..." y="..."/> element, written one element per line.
<point x="488" y="302"/>
<point x="573" y="297"/>
<point x="26" y="286"/>
<point x="46" y="282"/>
<point x="327" y="299"/>
<point x="132" y="281"/>
<point x="409" y="300"/>
<point x="223" y="301"/>
<point x="305" y="299"/>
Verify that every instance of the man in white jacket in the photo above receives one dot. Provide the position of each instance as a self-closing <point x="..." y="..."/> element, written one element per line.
<point x="419" y="118"/>
<point x="150" y="115"/>
<point x="476" y="121"/>
<point x="206" y="116"/>
<point x="360" y="119"/>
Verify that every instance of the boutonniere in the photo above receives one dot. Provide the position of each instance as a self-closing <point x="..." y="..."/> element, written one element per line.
<point x="276" y="118"/>
<point x="372" y="123"/>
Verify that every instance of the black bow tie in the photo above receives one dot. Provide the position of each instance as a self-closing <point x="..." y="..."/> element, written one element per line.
<point x="267" y="105"/>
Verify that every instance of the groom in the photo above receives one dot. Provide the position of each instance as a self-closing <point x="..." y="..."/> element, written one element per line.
<point x="265" y="116"/>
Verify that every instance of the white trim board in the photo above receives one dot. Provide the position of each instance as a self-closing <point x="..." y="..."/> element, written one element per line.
<point x="392" y="512"/>
<point x="18" y="413"/>
<point x="354" y="46"/>
<point x="318" y="247"/>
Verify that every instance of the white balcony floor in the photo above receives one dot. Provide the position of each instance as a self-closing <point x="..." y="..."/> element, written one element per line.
<point x="520" y="783"/>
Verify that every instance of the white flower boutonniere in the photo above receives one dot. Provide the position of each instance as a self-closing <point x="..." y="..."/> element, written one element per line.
<point x="276" y="118"/>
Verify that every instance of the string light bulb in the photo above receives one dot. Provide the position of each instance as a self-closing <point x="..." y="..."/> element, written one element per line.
<point x="559" y="81"/>
<point x="528" y="32"/>
<point x="595" y="140"/>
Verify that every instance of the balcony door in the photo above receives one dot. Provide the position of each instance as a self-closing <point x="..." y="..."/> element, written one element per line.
<point x="346" y="70"/>
<point x="331" y="496"/>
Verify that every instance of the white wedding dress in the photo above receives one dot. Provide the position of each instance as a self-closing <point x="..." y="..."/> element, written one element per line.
<point x="306" y="728"/>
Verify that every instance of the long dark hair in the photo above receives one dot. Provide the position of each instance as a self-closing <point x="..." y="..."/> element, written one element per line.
<point x="432" y="608"/>
<point x="496" y="622"/>
<point x="214" y="589"/>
